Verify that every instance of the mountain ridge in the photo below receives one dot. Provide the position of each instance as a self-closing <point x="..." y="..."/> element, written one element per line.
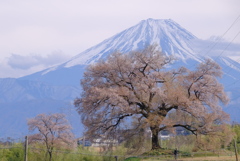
<point x="137" y="37"/>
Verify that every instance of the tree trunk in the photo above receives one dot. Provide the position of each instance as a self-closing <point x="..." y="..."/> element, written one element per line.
<point x="50" y="155"/>
<point x="155" y="142"/>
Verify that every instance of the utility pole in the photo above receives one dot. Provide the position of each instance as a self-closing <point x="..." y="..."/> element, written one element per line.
<point x="26" y="149"/>
<point x="84" y="141"/>
<point x="160" y="141"/>
<point x="235" y="147"/>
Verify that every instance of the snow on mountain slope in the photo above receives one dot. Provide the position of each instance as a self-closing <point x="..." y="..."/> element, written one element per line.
<point x="166" y="33"/>
<point x="171" y="38"/>
<point x="229" y="63"/>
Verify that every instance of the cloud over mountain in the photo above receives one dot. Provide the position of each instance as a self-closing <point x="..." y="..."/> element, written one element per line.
<point x="18" y="65"/>
<point x="17" y="61"/>
<point x="217" y="47"/>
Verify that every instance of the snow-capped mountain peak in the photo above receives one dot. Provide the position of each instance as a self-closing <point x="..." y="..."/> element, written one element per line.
<point x="167" y="34"/>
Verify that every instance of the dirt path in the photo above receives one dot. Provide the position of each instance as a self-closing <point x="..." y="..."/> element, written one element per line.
<point x="221" y="158"/>
<point x="225" y="158"/>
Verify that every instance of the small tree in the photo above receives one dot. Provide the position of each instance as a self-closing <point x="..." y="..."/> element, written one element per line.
<point x="214" y="142"/>
<point x="138" y="89"/>
<point x="52" y="130"/>
<point x="236" y="140"/>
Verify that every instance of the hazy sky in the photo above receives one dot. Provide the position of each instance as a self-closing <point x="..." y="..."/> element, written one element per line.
<point x="37" y="34"/>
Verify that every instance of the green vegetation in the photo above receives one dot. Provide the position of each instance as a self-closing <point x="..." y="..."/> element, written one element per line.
<point x="12" y="154"/>
<point x="16" y="153"/>
<point x="158" y="152"/>
<point x="132" y="159"/>
<point x="236" y="130"/>
<point x="188" y="147"/>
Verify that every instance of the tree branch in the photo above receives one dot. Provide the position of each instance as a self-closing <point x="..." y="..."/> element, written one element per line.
<point x="118" y="121"/>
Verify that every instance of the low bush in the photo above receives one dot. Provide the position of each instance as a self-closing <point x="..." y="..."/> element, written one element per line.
<point x="132" y="159"/>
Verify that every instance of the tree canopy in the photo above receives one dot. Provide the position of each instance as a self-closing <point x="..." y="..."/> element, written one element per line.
<point x="138" y="91"/>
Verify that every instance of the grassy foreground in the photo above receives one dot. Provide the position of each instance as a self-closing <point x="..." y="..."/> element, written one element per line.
<point x="167" y="155"/>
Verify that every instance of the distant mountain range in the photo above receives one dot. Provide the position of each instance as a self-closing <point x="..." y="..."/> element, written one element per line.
<point x="54" y="89"/>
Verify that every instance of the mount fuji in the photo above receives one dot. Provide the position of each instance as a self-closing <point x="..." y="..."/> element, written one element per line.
<point x="54" y="89"/>
<point x="167" y="34"/>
